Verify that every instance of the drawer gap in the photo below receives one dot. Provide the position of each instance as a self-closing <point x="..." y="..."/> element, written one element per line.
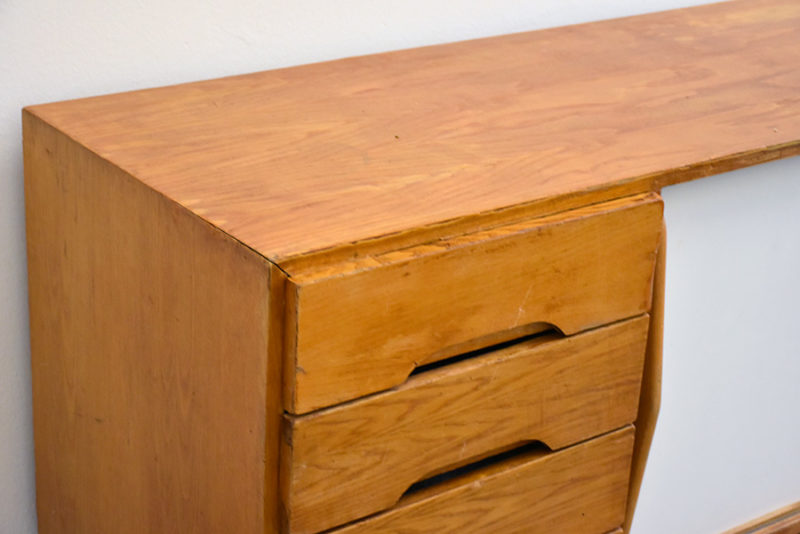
<point x="474" y="470"/>
<point x="549" y="334"/>
<point x="463" y="475"/>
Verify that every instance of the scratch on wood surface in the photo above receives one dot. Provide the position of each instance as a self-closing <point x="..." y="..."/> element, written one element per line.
<point x="521" y="309"/>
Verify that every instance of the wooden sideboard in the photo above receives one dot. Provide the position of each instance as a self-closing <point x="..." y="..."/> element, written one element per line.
<point x="418" y="291"/>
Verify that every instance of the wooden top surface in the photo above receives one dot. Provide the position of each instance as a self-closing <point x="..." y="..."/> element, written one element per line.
<point x="453" y="137"/>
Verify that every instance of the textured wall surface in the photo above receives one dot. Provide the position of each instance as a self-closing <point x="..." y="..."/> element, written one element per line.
<point x="721" y="448"/>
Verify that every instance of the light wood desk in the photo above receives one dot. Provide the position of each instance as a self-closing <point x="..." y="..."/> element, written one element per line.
<point x="412" y="292"/>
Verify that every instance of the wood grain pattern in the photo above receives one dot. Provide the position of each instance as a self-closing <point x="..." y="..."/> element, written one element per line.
<point x="783" y="521"/>
<point x="156" y="394"/>
<point x="358" y="458"/>
<point x="650" y="398"/>
<point x="580" y="490"/>
<point x="366" y="216"/>
<point x="365" y="330"/>
<point x="470" y="134"/>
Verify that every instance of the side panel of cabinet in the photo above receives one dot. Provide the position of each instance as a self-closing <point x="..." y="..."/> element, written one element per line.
<point x="156" y="393"/>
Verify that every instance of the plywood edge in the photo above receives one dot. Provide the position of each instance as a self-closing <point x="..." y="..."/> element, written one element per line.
<point x="649" y="183"/>
<point x="308" y="275"/>
<point x="274" y="409"/>
<point x="650" y="397"/>
<point x="468" y="224"/>
<point x="290" y="336"/>
<point x="785" y="520"/>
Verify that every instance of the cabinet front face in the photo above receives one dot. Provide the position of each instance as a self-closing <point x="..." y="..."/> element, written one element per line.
<point x="479" y="317"/>
<point x="362" y="327"/>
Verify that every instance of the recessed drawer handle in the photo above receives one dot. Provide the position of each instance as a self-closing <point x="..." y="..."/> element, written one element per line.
<point x="484" y="345"/>
<point x="457" y="474"/>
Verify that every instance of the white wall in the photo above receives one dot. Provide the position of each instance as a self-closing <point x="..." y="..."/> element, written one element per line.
<point x="54" y="50"/>
<point x="727" y="443"/>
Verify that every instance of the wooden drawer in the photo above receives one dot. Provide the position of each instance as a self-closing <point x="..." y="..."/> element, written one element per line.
<point x="578" y="490"/>
<point x="360" y="328"/>
<point x="349" y="461"/>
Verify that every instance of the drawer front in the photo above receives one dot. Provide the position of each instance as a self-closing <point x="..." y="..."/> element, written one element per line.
<point x="357" y="330"/>
<point x="353" y="460"/>
<point x="580" y="490"/>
